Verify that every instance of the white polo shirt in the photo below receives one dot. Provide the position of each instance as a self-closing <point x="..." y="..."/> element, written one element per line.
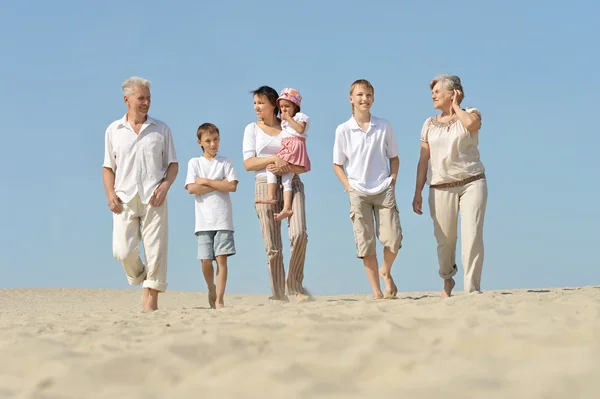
<point x="366" y="154"/>
<point x="140" y="161"/>
<point x="213" y="210"/>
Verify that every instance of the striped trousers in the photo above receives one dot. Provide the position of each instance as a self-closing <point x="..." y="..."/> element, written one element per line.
<point x="271" y="234"/>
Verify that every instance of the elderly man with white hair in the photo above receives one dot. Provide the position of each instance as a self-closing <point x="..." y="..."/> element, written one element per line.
<point x="140" y="165"/>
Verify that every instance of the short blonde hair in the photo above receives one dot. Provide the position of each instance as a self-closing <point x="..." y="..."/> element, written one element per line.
<point x="364" y="83"/>
<point x="130" y="84"/>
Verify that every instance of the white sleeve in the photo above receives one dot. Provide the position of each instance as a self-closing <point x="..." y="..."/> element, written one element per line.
<point x="249" y="143"/>
<point x="300" y="117"/>
<point x="169" y="152"/>
<point x="339" y="157"/>
<point x="191" y="175"/>
<point x="230" y="171"/>
<point x="473" y="110"/>
<point x="391" y="145"/>
<point x="110" y="160"/>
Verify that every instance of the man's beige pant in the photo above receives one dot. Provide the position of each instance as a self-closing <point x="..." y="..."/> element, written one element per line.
<point x="271" y="233"/>
<point x="444" y="204"/>
<point x="386" y="226"/>
<point x="138" y="221"/>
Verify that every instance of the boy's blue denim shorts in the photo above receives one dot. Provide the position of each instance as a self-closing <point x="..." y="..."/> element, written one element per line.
<point x="215" y="243"/>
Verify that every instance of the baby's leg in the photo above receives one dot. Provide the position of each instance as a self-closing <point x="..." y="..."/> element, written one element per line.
<point x="286" y="212"/>
<point x="271" y="198"/>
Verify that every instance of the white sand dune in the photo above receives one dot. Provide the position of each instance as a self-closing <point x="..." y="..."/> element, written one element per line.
<point x="80" y="343"/>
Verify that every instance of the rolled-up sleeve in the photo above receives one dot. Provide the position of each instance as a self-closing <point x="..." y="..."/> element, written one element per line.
<point x="110" y="160"/>
<point x="169" y="153"/>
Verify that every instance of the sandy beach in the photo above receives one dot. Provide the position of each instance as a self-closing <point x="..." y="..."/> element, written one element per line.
<point x="80" y="343"/>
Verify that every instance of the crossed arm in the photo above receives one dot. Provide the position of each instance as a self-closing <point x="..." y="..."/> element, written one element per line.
<point x="203" y="186"/>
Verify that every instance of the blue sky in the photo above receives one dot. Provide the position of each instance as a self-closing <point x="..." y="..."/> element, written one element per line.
<point x="530" y="67"/>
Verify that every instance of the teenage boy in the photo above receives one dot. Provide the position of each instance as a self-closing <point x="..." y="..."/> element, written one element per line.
<point x="366" y="147"/>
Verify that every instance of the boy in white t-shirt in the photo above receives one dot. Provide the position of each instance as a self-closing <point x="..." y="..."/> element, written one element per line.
<point x="211" y="178"/>
<point x="366" y="146"/>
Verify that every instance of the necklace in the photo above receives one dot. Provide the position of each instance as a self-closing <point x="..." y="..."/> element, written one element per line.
<point x="436" y="122"/>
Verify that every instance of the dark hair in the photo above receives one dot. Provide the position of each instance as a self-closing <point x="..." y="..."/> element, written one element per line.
<point x="206" y="128"/>
<point x="271" y="95"/>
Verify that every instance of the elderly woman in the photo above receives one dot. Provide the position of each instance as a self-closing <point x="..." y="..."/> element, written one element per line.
<point x="262" y="142"/>
<point x="457" y="182"/>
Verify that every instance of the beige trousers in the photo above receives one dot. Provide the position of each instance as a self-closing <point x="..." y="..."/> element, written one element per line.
<point x="137" y="222"/>
<point x="444" y="205"/>
<point x="271" y="233"/>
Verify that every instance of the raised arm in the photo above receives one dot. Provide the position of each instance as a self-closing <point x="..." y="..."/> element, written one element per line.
<point x="471" y="120"/>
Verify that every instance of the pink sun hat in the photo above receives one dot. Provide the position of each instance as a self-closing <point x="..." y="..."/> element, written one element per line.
<point x="291" y="95"/>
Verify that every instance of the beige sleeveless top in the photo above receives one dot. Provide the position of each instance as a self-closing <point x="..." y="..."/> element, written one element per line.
<point x="454" y="155"/>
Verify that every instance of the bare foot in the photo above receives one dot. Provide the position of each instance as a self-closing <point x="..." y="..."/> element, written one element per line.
<point x="266" y="200"/>
<point x="144" y="297"/>
<point x="377" y="296"/>
<point x="279" y="300"/>
<point x="302" y="298"/>
<point x="151" y="303"/>
<point x="284" y="214"/>
<point x="448" y="286"/>
<point x="212" y="296"/>
<point x="220" y="305"/>
<point x="390" y="286"/>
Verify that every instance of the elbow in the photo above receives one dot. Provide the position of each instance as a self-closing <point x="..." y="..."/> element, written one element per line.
<point x="233" y="187"/>
<point x="473" y="126"/>
<point x="247" y="165"/>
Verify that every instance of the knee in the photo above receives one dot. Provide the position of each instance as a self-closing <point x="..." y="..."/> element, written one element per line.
<point x="123" y="254"/>
<point x="299" y="237"/>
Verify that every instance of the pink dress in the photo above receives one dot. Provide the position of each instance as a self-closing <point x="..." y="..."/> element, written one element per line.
<point x="293" y="145"/>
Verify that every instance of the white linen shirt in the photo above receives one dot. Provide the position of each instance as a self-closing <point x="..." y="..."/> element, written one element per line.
<point x="454" y="155"/>
<point x="140" y="161"/>
<point x="366" y="155"/>
<point x="213" y="210"/>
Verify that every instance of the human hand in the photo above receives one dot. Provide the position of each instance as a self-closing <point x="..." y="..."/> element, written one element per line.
<point x="417" y="204"/>
<point x="160" y="194"/>
<point x="285" y="116"/>
<point x="279" y="166"/>
<point x="114" y="203"/>
<point x="201" y="180"/>
<point x="456" y="98"/>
